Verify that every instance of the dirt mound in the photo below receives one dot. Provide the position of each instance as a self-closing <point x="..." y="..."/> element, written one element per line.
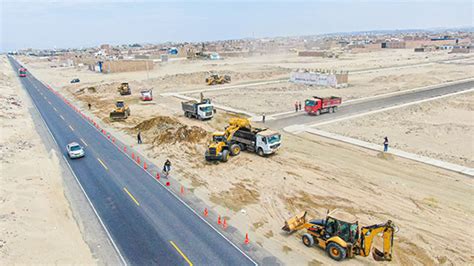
<point x="167" y="130"/>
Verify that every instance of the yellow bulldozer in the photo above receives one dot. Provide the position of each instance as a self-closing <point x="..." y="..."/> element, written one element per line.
<point x="215" y="79"/>
<point x="121" y="111"/>
<point x="340" y="235"/>
<point x="124" y="89"/>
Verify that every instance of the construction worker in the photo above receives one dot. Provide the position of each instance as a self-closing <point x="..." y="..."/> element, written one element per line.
<point x="167" y="167"/>
<point x="139" y="137"/>
<point x="299" y="105"/>
<point x="89" y="105"/>
<point x="385" y="144"/>
<point x="263" y="118"/>
<point x="296" y="106"/>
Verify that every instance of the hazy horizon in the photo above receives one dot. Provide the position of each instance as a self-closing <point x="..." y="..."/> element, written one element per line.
<point x="74" y="24"/>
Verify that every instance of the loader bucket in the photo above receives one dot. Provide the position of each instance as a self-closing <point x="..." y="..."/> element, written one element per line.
<point x="295" y="223"/>
<point x="380" y="256"/>
<point x="117" y="115"/>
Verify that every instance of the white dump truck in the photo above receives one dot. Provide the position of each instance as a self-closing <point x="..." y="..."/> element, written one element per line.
<point x="200" y="110"/>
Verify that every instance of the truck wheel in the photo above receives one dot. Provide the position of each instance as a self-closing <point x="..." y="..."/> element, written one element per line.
<point x="334" y="109"/>
<point x="336" y="252"/>
<point x="308" y="240"/>
<point x="318" y="112"/>
<point x="225" y="156"/>
<point x="331" y="110"/>
<point x="235" y="149"/>
<point x="260" y="152"/>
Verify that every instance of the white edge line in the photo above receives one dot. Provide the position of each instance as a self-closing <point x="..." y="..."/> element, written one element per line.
<point x="83" y="191"/>
<point x="167" y="189"/>
<point x="390" y="108"/>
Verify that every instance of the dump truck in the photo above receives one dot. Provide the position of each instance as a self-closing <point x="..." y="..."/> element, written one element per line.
<point x="201" y="110"/>
<point x="124" y="89"/>
<point x="214" y="79"/>
<point x="121" y="111"/>
<point x="146" y="95"/>
<point x="22" y="72"/>
<point x="240" y="135"/>
<point x="341" y="236"/>
<point x="319" y="105"/>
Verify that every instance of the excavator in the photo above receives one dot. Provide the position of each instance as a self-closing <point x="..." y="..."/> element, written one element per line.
<point x="121" y="111"/>
<point x="214" y="79"/>
<point x="340" y="235"/>
<point x="240" y="135"/>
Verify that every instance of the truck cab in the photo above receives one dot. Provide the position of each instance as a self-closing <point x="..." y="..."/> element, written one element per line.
<point x="205" y="111"/>
<point x="319" y="105"/>
<point x="267" y="142"/>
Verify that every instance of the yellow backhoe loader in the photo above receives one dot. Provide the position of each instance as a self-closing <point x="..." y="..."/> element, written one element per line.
<point x="124" y="89"/>
<point x="121" y="111"/>
<point x="214" y="79"/>
<point x="340" y="235"/>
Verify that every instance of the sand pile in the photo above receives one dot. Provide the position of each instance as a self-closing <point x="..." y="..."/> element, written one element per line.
<point x="167" y="130"/>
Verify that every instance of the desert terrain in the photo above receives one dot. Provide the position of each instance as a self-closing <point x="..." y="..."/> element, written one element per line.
<point x="309" y="173"/>
<point x="36" y="222"/>
<point x="440" y="129"/>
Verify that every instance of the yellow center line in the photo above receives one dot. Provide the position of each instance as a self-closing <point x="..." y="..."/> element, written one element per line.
<point x="103" y="164"/>
<point x="71" y="128"/>
<point x="84" y="142"/>
<point x="182" y="254"/>
<point x="61" y="117"/>
<point x="131" y="196"/>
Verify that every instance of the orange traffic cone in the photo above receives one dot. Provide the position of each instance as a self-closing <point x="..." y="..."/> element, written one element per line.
<point x="219" y="220"/>
<point x="133" y="156"/>
<point x="182" y="190"/>
<point x="206" y="213"/>
<point x="145" y="166"/>
<point x="138" y="159"/>
<point x="167" y="184"/>
<point x="158" y="176"/>
<point x="247" y="239"/>
<point x="125" y="149"/>
<point x="224" y="224"/>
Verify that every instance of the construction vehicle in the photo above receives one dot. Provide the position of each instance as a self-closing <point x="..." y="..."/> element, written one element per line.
<point x="146" y="95"/>
<point x="214" y="79"/>
<point x="124" y="89"/>
<point x="340" y="235"/>
<point x="318" y="105"/>
<point x="238" y="136"/>
<point x="22" y="72"/>
<point x="121" y="111"/>
<point x="199" y="110"/>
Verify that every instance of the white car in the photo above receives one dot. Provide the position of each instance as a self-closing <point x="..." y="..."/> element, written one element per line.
<point x="75" y="150"/>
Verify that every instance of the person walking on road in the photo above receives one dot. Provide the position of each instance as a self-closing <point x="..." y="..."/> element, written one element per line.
<point x="167" y="167"/>
<point x="139" y="137"/>
<point x="263" y="118"/>
<point x="385" y="144"/>
<point x="89" y="105"/>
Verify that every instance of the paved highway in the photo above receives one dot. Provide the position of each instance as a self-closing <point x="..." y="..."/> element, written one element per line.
<point x="369" y="105"/>
<point x="147" y="224"/>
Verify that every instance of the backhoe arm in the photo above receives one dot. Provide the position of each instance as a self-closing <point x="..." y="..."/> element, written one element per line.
<point x="367" y="236"/>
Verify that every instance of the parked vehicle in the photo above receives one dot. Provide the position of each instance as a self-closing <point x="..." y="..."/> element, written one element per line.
<point x="74" y="150"/>
<point x="75" y="81"/>
<point x="146" y="95"/>
<point x="318" y="105"/>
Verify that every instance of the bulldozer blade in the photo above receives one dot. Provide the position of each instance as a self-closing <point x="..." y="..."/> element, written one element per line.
<point x="117" y="116"/>
<point x="380" y="256"/>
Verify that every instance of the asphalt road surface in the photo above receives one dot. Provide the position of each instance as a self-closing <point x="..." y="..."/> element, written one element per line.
<point x="365" y="106"/>
<point x="147" y="224"/>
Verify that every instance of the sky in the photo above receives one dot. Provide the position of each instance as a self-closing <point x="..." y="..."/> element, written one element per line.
<point x="85" y="23"/>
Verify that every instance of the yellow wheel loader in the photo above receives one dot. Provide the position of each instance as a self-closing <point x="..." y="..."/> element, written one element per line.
<point x="214" y="79"/>
<point x="340" y="235"/>
<point x="121" y="111"/>
<point x="124" y="89"/>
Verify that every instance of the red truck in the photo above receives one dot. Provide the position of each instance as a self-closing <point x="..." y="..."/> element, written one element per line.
<point x="22" y="72"/>
<point x="319" y="105"/>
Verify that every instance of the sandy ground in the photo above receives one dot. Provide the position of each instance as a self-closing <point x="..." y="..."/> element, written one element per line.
<point x="309" y="173"/>
<point x="36" y="223"/>
<point x="441" y="129"/>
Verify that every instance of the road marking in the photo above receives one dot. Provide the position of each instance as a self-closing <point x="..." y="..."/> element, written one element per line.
<point x="62" y="117"/>
<point x="71" y="128"/>
<point x="84" y="142"/>
<point x="131" y="196"/>
<point x="182" y="254"/>
<point x="103" y="164"/>
<point x="49" y="102"/>
<point x="55" y="109"/>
